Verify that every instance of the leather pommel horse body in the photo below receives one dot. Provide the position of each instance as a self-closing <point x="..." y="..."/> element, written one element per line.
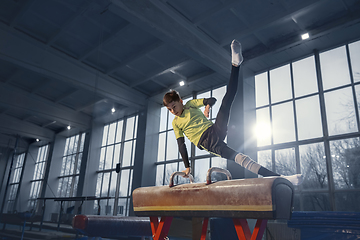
<point x="254" y="198"/>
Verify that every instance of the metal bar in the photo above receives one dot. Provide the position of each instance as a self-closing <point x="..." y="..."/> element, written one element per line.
<point x="160" y="230"/>
<point x="259" y="229"/>
<point x="23" y="229"/>
<point x="242" y="229"/>
<point x="60" y="213"/>
<point x="43" y="214"/>
<point x="8" y="179"/>
<point x="204" y="228"/>
<point x="154" y="222"/>
<point x="163" y="228"/>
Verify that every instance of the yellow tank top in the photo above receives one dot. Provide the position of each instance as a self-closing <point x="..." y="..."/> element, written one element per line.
<point x="192" y="122"/>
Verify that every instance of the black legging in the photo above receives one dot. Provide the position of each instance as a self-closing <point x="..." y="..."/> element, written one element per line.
<point x="213" y="138"/>
<point x="222" y="118"/>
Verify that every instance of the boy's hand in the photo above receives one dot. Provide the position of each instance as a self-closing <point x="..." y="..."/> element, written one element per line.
<point x="207" y="111"/>
<point x="186" y="171"/>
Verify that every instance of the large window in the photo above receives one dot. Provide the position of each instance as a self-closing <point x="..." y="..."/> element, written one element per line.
<point x="308" y="111"/>
<point x="169" y="159"/>
<point x="118" y="147"/>
<point x="38" y="178"/>
<point x="70" y="169"/>
<point x="15" y="182"/>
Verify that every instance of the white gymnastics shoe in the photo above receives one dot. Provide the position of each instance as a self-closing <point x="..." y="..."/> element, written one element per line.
<point x="236" y="55"/>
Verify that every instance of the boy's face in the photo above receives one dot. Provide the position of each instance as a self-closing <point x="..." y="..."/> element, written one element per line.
<point x="176" y="107"/>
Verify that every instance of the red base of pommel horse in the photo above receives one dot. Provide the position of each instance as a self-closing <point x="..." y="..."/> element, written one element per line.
<point x="241" y="199"/>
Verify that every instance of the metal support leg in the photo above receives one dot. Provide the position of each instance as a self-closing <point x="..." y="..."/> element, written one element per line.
<point x="259" y="229"/>
<point x="80" y="207"/>
<point x="160" y="229"/>
<point x="99" y="207"/>
<point x="61" y="210"/>
<point x="204" y="228"/>
<point x="23" y="230"/>
<point x="42" y="215"/>
<point x="243" y="230"/>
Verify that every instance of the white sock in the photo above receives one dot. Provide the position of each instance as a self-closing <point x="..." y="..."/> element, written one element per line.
<point x="236" y="55"/>
<point x="247" y="163"/>
<point x="296" y="179"/>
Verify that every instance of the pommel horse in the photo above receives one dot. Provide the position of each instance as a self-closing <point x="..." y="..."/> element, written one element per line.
<point x="255" y="198"/>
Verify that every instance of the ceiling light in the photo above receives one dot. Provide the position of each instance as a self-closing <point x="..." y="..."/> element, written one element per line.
<point x="182" y="83"/>
<point x="305" y="36"/>
<point x="113" y="110"/>
<point x="68" y="127"/>
<point x="37" y="140"/>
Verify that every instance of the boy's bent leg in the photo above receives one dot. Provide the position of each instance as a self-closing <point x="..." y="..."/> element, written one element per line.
<point x="254" y="167"/>
<point x="246" y="162"/>
<point x="243" y="160"/>
<point x="251" y="165"/>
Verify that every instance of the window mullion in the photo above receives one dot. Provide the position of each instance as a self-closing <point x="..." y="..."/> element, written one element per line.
<point x="353" y="88"/>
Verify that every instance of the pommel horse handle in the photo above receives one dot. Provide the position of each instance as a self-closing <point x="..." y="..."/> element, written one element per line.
<point x="216" y="169"/>
<point x="182" y="174"/>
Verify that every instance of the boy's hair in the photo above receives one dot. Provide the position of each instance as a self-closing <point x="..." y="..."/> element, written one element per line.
<point x="171" y="96"/>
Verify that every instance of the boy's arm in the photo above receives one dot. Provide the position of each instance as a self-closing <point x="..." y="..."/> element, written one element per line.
<point x="183" y="151"/>
<point x="208" y="102"/>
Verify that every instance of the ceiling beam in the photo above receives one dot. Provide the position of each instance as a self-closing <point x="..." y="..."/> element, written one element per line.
<point x="118" y="114"/>
<point x="25" y="6"/>
<point x="14" y="126"/>
<point x="21" y="50"/>
<point x="66" y="95"/>
<point x="246" y="23"/>
<point x="69" y="21"/>
<point x="315" y="33"/>
<point x="191" y="80"/>
<point x="219" y="8"/>
<point x="108" y="39"/>
<point x="163" y="22"/>
<point x="48" y="124"/>
<point x="133" y="57"/>
<point x="7" y="141"/>
<point x="14" y="75"/>
<point x="164" y="69"/>
<point x="44" y="83"/>
<point x="266" y="22"/>
<point x="38" y="106"/>
<point x="89" y="104"/>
